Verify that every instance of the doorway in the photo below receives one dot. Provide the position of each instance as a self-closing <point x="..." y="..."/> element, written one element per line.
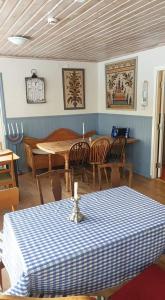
<point x="160" y="124"/>
<point x="2" y="115"/>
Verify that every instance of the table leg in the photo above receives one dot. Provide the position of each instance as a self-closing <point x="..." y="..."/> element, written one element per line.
<point x="50" y="161"/>
<point x="15" y="171"/>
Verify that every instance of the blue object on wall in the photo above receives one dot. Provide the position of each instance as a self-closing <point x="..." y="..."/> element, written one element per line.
<point x="118" y="131"/>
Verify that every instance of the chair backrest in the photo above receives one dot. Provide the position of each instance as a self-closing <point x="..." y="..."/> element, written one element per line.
<point x="7" y="167"/>
<point x="9" y="199"/>
<point x="99" y="150"/>
<point x="49" y="183"/>
<point x="117" y="149"/>
<point x="79" y="154"/>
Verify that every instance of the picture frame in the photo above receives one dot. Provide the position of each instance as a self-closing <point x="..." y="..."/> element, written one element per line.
<point x="73" y="88"/>
<point x="35" y="90"/>
<point x="121" y="77"/>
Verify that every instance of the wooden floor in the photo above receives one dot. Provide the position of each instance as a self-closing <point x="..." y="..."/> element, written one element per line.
<point x="29" y="197"/>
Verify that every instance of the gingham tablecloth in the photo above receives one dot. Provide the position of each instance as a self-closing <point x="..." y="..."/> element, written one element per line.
<point x="44" y="252"/>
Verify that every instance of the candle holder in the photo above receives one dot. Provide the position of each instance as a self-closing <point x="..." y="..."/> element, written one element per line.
<point x="76" y="216"/>
<point x="15" y="137"/>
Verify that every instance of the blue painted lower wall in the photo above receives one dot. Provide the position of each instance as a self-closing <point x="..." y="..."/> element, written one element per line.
<point x="140" y="128"/>
<point x="139" y="154"/>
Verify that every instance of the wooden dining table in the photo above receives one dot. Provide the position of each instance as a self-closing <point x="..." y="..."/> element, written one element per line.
<point x="63" y="147"/>
<point x="7" y="157"/>
<point x="45" y="253"/>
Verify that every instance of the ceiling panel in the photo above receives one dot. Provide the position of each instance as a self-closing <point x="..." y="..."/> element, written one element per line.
<point x="94" y="30"/>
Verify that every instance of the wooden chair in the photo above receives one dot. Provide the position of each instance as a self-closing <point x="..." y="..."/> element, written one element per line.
<point x="148" y="285"/>
<point x="117" y="163"/>
<point x="7" y="297"/>
<point x="117" y="150"/>
<point x="79" y="157"/>
<point x="116" y="169"/>
<point x="7" y="175"/>
<point x="9" y="199"/>
<point x="50" y="182"/>
<point x="98" y="155"/>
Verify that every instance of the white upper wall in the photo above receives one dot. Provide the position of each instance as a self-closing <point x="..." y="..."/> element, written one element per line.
<point x="14" y="72"/>
<point x="149" y="62"/>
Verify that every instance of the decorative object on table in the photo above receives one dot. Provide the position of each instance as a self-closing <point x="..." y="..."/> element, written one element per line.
<point x="118" y="131"/>
<point x="35" y="88"/>
<point x="121" y="84"/>
<point x="76" y="216"/>
<point x="73" y="88"/>
<point x="15" y="136"/>
<point x="145" y="93"/>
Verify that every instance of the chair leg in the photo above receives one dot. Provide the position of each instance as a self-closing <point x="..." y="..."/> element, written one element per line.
<point x="33" y="173"/>
<point x="99" y="177"/>
<point x="106" y="176"/>
<point x="130" y="176"/>
<point x="115" y="176"/>
<point x="94" y="175"/>
<point x="1" y="267"/>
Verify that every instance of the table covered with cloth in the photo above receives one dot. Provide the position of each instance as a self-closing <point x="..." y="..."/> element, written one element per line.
<point x="44" y="252"/>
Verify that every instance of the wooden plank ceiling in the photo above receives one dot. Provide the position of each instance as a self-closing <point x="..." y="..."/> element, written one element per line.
<point x="94" y="30"/>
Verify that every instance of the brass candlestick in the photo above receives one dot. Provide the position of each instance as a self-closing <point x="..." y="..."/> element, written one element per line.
<point x="76" y="216"/>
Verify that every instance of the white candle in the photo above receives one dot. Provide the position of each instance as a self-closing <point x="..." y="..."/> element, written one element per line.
<point x="22" y="127"/>
<point x="83" y="128"/>
<point x="8" y="128"/>
<point x="12" y="128"/>
<point x="16" y="127"/>
<point x="75" y="190"/>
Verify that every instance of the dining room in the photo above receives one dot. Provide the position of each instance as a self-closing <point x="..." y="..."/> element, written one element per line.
<point x="79" y="94"/>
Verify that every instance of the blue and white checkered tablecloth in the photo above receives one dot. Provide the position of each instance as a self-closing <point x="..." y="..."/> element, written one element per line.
<point x="44" y="252"/>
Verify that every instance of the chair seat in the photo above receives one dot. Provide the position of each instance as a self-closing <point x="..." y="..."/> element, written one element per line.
<point x="148" y="285"/>
<point x="4" y="177"/>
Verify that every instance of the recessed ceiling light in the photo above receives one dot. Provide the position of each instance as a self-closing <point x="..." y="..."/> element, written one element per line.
<point x="18" y="39"/>
<point x="79" y="1"/>
<point x="52" y="20"/>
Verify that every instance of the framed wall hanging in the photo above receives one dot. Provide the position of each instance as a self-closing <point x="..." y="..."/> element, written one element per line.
<point x="121" y="84"/>
<point x="73" y="88"/>
<point x="35" y="89"/>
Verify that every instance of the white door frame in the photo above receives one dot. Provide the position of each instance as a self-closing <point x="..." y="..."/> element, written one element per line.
<point x="154" y="139"/>
<point x="2" y="113"/>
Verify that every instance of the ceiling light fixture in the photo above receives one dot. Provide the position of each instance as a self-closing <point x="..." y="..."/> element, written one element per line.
<point x="52" y="20"/>
<point x="79" y="1"/>
<point x="18" y="39"/>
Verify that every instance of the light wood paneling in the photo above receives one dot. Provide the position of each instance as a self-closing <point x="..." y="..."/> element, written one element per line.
<point x="95" y="30"/>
